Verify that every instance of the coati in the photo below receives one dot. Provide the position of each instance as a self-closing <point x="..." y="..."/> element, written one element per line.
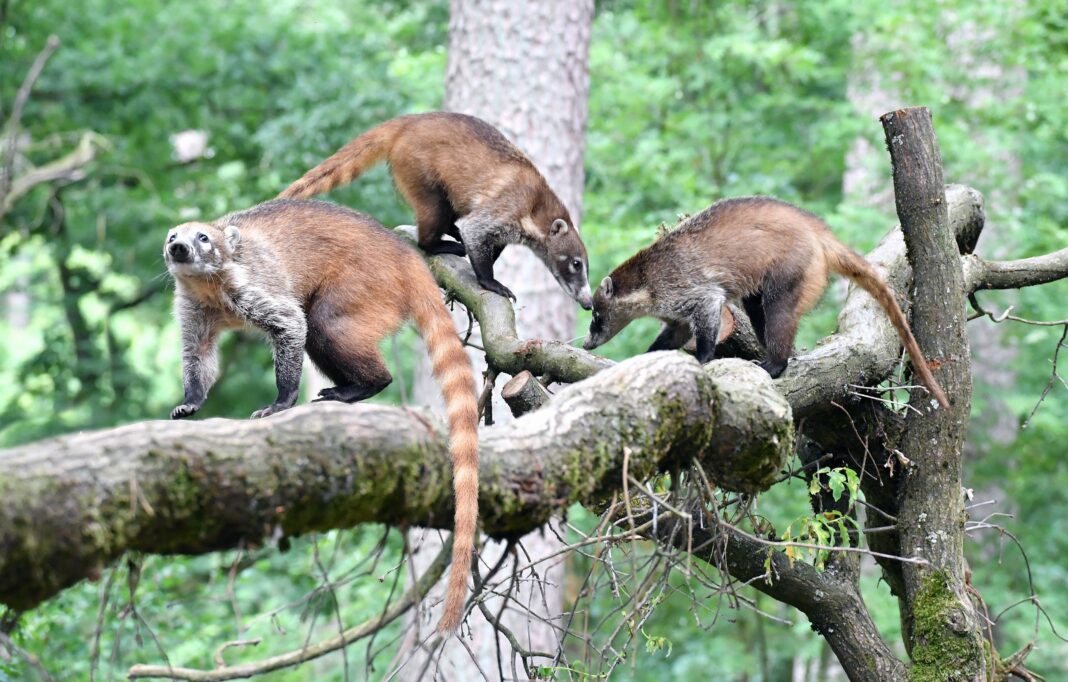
<point x="464" y="179"/>
<point x="771" y="256"/>
<point x="277" y="267"/>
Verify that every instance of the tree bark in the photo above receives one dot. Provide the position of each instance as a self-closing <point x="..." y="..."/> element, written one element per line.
<point x="942" y="630"/>
<point x="72" y="504"/>
<point x="524" y="393"/>
<point x="1014" y="274"/>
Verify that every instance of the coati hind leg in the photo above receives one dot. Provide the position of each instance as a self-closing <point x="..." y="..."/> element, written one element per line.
<point x="340" y="346"/>
<point x="754" y="309"/>
<point x="434" y="216"/>
<point x="782" y="309"/>
<point x="673" y="336"/>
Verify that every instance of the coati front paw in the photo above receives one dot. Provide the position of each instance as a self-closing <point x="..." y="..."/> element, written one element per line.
<point x="328" y="394"/>
<point x="497" y="288"/>
<point x="447" y="247"/>
<point x="268" y="411"/>
<point x="184" y="410"/>
<point x="774" y="368"/>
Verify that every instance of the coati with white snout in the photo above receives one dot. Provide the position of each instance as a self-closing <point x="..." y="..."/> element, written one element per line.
<point x="771" y="256"/>
<point x="331" y="281"/>
<point x="463" y="178"/>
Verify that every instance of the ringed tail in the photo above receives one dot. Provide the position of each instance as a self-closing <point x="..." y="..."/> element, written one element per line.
<point x="847" y="262"/>
<point x="347" y="163"/>
<point x="452" y="369"/>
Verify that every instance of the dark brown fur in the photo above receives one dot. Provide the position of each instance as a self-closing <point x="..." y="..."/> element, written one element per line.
<point x="463" y="179"/>
<point x="335" y="283"/>
<point x="771" y="256"/>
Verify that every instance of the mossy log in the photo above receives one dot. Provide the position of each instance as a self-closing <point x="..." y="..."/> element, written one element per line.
<point x="73" y="504"/>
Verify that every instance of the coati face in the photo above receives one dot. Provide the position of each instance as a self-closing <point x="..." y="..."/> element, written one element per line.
<point x="567" y="261"/>
<point x="612" y="311"/>
<point x="199" y="249"/>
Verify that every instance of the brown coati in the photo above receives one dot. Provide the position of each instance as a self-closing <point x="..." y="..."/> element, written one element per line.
<point x="770" y="255"/>
<point x="333" y="282"/>
<point x="464" y="179"/>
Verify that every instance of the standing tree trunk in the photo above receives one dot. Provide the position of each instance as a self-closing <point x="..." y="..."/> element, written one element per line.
<point x="941" y="627"/>
<point x="523" y="68"/>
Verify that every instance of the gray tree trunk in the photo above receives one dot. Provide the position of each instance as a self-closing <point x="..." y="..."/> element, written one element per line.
<point x="871" y="93"/>
<point x="522" y="67"/>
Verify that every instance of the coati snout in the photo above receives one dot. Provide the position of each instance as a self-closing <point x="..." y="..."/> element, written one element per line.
<point x="179" y="252"/>
<point x="568" y="262"/>
<point x="199" y="248"/>
<point x="609" y="317"/>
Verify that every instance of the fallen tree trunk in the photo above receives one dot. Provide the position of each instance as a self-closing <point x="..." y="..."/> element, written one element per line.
<point x="75" y="503"/>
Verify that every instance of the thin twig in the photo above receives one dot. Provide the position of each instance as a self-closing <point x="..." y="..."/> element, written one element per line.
<point x="15" y="118"/>
<point x="412" y="597"/>
<point x="220" y="662"/>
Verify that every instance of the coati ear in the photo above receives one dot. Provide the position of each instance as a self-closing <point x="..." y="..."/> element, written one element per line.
<point x="233" y="236"/>
<point x="607" y="287"/>
<point x="558" y="227"/>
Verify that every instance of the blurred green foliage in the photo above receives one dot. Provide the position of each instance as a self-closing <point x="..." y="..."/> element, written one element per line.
<point x="689" y="102"/>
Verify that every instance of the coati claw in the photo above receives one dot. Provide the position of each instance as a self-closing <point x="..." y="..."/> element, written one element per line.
<point x="327" y="394"/>
<point x="273" y="408"/>
<point x="775" y="369"/>
<point x="498" y="288"/>
<point x="184" y="410"/>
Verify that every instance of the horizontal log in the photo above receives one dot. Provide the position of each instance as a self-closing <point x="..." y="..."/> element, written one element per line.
<point x="73" y="504"/>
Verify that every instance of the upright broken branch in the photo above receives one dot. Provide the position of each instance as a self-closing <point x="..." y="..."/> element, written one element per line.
<point x="942" y="631"/>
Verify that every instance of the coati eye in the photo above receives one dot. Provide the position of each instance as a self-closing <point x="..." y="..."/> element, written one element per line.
<point x="202" y="237"/>
<point x="576" y="265"/>
<point x="172" y="237"/>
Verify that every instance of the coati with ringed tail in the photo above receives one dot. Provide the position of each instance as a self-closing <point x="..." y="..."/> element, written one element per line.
<point x="771" y="256"/>
<point x="463" y="178"/>
<point x="331" y="281"/>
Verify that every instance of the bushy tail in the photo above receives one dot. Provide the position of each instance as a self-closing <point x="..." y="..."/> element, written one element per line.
<point x="347" y="163"/>
<point x="452" y="369"/>
<point x="845" y="261"/>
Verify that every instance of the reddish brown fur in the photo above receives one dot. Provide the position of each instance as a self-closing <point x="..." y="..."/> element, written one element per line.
<point x="743" y="245"/>
<point x="357" y="283"/>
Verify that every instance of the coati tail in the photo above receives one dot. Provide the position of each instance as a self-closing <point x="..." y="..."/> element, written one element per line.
<point x="346" y="164"/>
<point x="845" y="261"/>
<point x="452" y="369"/>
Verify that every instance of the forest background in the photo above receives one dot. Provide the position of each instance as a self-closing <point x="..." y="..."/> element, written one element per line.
<point x="689" y="102"/>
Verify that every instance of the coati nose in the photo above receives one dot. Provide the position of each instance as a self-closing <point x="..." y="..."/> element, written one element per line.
<point x="585" y="299"/>
<point x="179" y="252"/>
